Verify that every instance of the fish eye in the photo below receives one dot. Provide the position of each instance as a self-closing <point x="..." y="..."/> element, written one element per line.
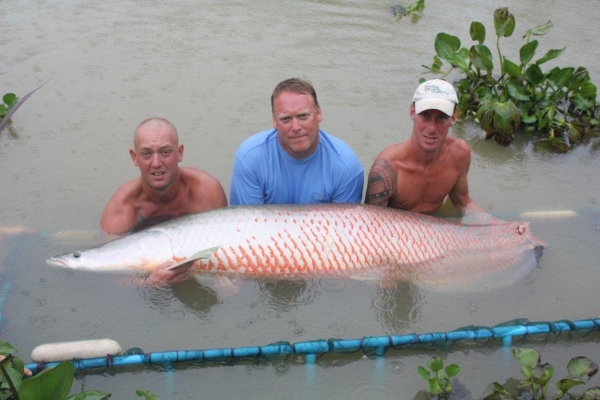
<point x="77" y="254"/>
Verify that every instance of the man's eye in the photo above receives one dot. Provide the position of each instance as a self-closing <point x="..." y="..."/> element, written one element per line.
<point x="285" y="120"/>
<point x="303" y="117"/>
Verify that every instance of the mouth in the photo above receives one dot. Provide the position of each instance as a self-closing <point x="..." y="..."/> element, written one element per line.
<point x="56" y="262"/>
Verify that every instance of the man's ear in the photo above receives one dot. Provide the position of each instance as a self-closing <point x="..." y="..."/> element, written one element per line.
<point x="133" y="157"/>
<point x="411" y="111"/>
<point x="180" y="151"/>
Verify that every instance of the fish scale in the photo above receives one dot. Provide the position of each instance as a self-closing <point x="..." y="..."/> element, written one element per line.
<point x="299" y="241"/>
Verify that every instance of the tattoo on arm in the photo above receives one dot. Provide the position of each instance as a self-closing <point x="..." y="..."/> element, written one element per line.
<point x="381" y="184"/>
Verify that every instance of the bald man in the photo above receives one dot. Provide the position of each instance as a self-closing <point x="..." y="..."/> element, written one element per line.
<point x="163" y="191"/>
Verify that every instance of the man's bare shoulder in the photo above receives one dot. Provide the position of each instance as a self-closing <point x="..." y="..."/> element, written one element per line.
<point x="119" y="214"/>
<point x="197" y="177"/>
<point x="459" y="152"/>
<point x="206" y="190"/>
<point x="393" y="152"/>
<point x="458" y="146"/>
<point x="127" y="193"/>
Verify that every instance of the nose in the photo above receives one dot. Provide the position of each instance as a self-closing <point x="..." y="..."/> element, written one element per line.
<point x="295" y="125"/>
<point x="155" y="161"/>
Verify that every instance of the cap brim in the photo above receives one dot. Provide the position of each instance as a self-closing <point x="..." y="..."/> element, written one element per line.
<point x="443" y="105"/>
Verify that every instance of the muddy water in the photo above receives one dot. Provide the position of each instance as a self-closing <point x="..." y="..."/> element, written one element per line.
<point x="210" y="67"/>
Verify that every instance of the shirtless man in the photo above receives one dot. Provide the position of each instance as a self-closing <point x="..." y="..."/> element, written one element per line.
<point x="163" y="191"/>
<point x="418" y="174"/>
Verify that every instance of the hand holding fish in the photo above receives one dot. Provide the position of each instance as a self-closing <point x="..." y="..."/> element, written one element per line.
<point x="164" y="276"/>
<point x="226" y="287"/>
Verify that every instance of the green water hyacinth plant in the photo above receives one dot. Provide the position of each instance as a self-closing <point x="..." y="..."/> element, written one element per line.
<point x="11" y="104"/>
<point x="438" y="377"/>
<point x="557" y="107"/>
<point x="415" y="10"/>
<point x="537" y="384"/>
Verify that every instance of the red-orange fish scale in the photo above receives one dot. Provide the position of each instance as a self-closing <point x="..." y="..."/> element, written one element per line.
<point x="348" y="239"/>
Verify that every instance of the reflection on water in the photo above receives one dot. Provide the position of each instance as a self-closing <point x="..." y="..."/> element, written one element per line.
<point x="195" y="297"/>
<point x="397" y="308"/>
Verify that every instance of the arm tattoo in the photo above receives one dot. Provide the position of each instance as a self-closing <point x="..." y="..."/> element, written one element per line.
<point x="382" y="182"/>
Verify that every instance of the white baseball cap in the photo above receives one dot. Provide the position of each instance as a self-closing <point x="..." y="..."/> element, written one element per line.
<point x="435" y="94"/>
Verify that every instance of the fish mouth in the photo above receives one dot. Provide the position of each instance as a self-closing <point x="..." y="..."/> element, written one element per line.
<point x="57" y="262"/>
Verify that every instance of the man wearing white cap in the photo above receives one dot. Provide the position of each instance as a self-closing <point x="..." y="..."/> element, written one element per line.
<point x="419" y="173"/>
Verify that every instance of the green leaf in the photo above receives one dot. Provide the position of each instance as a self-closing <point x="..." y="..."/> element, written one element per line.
<point x="147" y="394"/>
<point x="540" y="29"/>
<point x="567" y="383"/>
<point x="583" y="104"/>
<point x="15" y="377"/>
<point x="423" y="373"/>
<point x="527" y="52"/>
<point x="507" y="119"/>
<point x="580" y="366"/>
<point x="550" y="55"/>
<point x="546" y="375"/>
<point x="446" y="44"/>
<point x="51" y="384"/>
<point x="6" y="348"/>
<point x="551" y="143"/>
<point x="559" y="76"/>
<point x="591" y="394"/>
<point x="588" y="91"/>
<point x="434" y="386"/>
<point x="534" y="75"/>
<point x="499" y="390"/>
<point x="459" y="60"/>
<point x="452" y="370"/>
<point x="481" y="57"/>
<point x="511" y="68"/>
<point x="517" y="91"/>
<point x="484" y="93"/>
<point x="477" y="32"/>
<point x="527" y="357"/>
<point x="18" y="364"/>
<point x="504" y="22"/>
<point x="90" y="395"/>
<point x="435" y="364"/>
<point x="10" y="99"/>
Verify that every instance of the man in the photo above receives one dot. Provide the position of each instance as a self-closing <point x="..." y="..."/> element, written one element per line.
<point x="295" y="162"/>
<point x="163" y="191"/>
<point x="419" y="173"/>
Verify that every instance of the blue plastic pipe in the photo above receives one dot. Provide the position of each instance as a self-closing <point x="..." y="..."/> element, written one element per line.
<point x="375" y="344"/>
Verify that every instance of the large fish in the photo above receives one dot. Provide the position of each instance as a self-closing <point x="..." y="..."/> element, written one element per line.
<point x="295" y="241"/>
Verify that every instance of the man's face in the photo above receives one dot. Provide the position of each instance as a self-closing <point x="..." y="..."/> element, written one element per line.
<point x="157" y="154"/>
<point x="296" y="119"/>
<point x="430" y="127"/>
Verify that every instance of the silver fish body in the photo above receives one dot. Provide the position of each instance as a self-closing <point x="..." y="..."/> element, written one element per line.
<point x="297" y="241"/>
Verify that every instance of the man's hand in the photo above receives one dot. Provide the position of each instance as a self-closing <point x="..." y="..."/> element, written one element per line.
<point x="226" y="287"/>
<point x="162" y="277"/>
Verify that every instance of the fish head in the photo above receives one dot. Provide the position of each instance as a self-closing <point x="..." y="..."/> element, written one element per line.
<point x="142" y="251"/>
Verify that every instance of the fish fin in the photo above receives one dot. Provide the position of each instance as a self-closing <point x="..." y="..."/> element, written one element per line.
<point x="201" y="255"/>
<point x="473" y="271"/>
